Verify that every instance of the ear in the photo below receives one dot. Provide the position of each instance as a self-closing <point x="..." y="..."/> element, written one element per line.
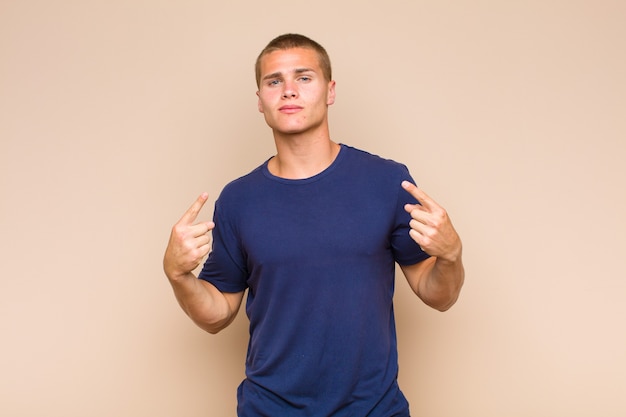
<point x="331" y="93"/>
<point x="259" y="104"/>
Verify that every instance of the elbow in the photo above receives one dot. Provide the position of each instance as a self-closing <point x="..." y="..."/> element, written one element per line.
<point x="214" y="330"/>
<point x="445" y="306"/>
<point x="212" y="325"/>
<point x="442" y="305"/>
<point x="443" y="301"/>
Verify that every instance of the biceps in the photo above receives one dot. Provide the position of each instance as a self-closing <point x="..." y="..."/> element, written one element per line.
<point x="234" y="302"/>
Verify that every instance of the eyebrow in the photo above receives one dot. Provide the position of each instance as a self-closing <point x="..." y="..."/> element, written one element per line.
<point x="279" y="74"/>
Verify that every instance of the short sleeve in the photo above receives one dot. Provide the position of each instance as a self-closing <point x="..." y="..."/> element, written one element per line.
<point x="225" y="266"/>
<point x="405" y="250"/>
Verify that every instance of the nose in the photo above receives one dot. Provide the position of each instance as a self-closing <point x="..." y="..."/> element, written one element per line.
<point x="289" y="90"/>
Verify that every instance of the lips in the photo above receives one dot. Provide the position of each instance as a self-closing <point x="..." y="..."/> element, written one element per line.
<point x="290" y="108"/>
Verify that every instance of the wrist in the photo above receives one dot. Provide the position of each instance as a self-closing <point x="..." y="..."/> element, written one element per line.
<point x="175" y="274"/>
<point x="453" y="256"/>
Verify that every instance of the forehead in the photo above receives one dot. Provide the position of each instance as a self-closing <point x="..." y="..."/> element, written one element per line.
<point x="288" y="60"/>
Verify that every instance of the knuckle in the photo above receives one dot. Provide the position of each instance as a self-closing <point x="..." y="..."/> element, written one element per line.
<point x="441" y="218"/>
<point x="178" y="229"/>
<point x="430" y="234"/>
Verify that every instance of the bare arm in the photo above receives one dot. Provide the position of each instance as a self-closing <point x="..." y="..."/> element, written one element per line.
<point x="189" y="243"/>
<point x="437" y="280"/>
<point x="209" y="308"/>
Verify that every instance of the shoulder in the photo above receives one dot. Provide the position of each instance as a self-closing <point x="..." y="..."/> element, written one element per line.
<point x="243" y="188"/>
<point x="374" y="164"/>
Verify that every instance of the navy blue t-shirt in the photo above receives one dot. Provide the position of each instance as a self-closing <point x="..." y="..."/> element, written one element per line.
<point x="317" y="256"/>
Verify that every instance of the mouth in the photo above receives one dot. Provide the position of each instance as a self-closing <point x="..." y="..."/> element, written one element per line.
<point x="289" y="109"/>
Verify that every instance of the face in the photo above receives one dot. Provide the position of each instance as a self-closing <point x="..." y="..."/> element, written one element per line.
<point x="293" y="94"/>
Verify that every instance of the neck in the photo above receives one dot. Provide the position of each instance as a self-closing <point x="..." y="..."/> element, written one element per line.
<point x="302" y="156"/>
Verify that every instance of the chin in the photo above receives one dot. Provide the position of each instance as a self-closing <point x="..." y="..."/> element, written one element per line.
<point x="289" y="130"/>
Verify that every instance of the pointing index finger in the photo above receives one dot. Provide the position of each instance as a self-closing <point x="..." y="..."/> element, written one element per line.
<point x="420" y="195"/>
<point x="192" y="213"/>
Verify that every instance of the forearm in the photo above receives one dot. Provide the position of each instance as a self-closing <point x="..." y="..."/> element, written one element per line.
<point x="203" y="302"/>
<point x="441" y="285"/>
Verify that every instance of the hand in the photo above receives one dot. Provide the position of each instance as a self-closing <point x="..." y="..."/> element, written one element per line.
<point x="189" y="243"/>
<point x="431" y="227"/>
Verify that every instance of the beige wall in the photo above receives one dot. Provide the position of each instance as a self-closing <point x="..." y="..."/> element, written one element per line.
<point x="114" y="115"/>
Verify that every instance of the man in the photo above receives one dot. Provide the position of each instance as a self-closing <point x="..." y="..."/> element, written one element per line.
<point x="313" y="234"/>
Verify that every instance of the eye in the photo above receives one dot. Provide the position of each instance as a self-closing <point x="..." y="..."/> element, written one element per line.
<point x="273" y="83"/>
<point x="305" y="78"/>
